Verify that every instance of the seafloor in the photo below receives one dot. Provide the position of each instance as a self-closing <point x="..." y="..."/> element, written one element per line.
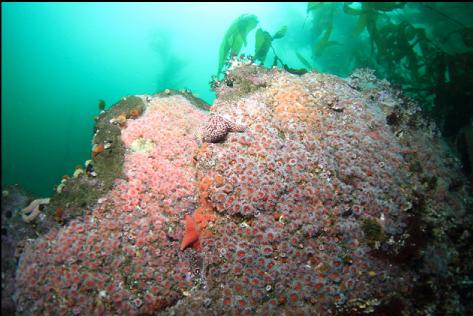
<point x="300" y="195"/>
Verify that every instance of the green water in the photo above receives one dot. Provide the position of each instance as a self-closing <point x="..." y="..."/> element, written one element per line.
<point x="59" y="60"/>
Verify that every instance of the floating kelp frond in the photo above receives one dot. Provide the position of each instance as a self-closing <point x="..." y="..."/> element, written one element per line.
<point x="235" y="37"/>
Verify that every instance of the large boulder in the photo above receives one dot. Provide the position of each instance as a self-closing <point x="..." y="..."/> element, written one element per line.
<point x="319" y="195"/>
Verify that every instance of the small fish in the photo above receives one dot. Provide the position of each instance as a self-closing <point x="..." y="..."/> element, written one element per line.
<point x="101" y="105"/>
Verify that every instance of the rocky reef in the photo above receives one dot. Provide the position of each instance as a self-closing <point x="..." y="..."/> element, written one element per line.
<point x="333" y="196"/>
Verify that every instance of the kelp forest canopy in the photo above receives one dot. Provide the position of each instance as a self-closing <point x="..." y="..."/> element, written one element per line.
<point x="424" y="48"/>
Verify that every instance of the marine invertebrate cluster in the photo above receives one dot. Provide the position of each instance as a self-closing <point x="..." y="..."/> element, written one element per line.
<point x="309" y="211"/>
<point x="291" y="176"/>
<point x="125" y="256"/>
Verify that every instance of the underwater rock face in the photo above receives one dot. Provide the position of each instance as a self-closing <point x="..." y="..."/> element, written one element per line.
<point x="14" y="234"/>
<point x="319" y="206"/>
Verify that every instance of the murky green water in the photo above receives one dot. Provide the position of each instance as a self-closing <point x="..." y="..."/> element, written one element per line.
<point x="59" y="60"/>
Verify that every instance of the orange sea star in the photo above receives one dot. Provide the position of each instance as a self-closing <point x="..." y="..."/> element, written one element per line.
<point x="191" y="233"/>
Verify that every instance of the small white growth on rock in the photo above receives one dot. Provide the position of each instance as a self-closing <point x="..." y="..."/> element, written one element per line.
<point x="60" y="187"/>
<point x="78" y="173"/>
<point x="143" y="145"/>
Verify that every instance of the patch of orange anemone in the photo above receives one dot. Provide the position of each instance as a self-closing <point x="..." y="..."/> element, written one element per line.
<point x="196" y="225"/>
<point x="200" y="152"/>
<point x="203" y="216"/>
<point x="293" y="102"/>
<point x="58" y="214"/>
<point x="204" y="186"/>
<point x="219" y="181"/>
<point x="205" y="213"/>
<point x="134" y="113"/>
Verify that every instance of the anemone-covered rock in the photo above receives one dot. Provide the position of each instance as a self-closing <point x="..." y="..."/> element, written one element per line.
<point x="337" y="197"/>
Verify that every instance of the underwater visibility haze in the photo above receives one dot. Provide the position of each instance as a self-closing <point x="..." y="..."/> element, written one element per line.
<point x="237" y="158"/>
<point x="59" y="60"/>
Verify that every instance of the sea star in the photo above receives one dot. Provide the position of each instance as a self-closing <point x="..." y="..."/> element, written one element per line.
<point x="191" y="233"/>
<point x="218" y="127"/>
